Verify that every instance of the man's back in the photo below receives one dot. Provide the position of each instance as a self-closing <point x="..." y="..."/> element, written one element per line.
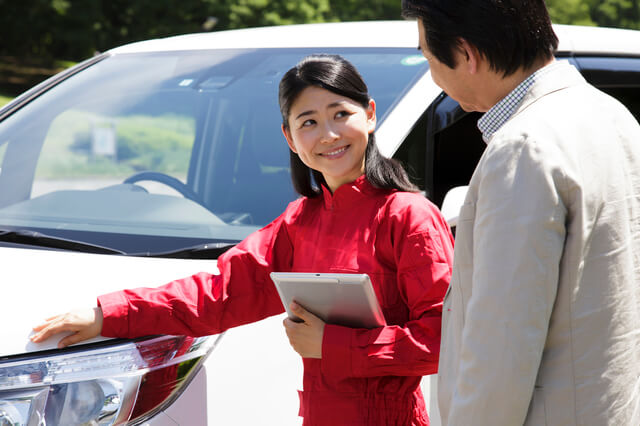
<point x="591" y="360"/>
<point x="552" y="220"/>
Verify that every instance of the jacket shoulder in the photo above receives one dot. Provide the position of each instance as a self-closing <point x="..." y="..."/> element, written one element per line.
<point x="414" y="210"/>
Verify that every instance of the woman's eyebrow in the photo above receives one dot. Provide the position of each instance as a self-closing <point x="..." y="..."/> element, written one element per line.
<point x="302" y="114"/>
<point x="336" y="104"/>
<point x="311" y="111"/>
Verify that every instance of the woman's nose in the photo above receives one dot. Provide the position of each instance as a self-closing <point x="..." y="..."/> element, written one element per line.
<point x="329" y="133"/>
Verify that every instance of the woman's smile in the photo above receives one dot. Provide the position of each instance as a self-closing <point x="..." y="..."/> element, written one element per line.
<point x="335" y="153"/>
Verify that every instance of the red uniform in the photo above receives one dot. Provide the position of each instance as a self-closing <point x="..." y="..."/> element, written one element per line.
<point x="365" y="377"/>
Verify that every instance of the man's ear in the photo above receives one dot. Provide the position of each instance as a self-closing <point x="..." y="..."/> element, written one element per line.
<point x="287" y="135"/>
<point x="471" y="56"/>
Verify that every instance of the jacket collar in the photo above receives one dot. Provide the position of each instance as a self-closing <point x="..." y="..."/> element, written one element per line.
<point x="556" y="76"/>
<point x="347" y="194"/>
<point x="563" y="75"/>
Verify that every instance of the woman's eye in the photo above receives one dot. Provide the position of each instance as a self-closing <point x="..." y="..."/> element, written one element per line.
<point x="308" y="123"/>
<point x="341" y="114"/>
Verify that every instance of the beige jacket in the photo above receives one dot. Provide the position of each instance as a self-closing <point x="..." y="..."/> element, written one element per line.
<point x="541" y="322"/>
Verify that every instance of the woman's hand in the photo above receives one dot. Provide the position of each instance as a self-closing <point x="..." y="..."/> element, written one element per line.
<point x="83" y="323"/>
<point x="305" y="337"/>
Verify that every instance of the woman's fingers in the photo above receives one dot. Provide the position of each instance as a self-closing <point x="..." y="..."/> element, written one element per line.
<point x="84" y="324"/>
<point x="305" y="337"/>
<point x="303" y="314"/>
<point x="46" y="322"/>
<point x="43" y="325"/>
<point x="71" y="339"/>
<point x="47" y="329"/>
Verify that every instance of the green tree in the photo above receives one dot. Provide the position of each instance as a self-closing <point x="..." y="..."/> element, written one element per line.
<point x="604" y="13"/>
<point x="256" y="13"/>
<point x="616" y="13"/>
<point x="575" y="12"/>
<point x="359" y="10"/>
<point x="75" y="29"/>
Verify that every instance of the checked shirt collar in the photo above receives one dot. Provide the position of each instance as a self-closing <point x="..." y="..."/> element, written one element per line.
<point x="501" y="112"/>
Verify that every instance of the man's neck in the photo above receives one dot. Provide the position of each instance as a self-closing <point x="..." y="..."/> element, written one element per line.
<point x="505" y="85"/>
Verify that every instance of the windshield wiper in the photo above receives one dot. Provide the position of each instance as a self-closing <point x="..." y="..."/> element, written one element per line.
<point x="33" y="238"/>
<point x="200" y="251"/>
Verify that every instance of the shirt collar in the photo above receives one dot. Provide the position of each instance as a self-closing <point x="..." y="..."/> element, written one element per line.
<point x="347" y="193"/>
<point x="500" y="113"/>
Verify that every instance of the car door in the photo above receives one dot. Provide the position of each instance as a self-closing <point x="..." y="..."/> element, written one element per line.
<point x="444" y="146"/>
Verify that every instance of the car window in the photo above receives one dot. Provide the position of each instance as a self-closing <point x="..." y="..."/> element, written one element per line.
<point x="101" y="145"/>
<point x="617" y="76"/>
<point x="158" y="151"/>
<point x="442" y="150"/>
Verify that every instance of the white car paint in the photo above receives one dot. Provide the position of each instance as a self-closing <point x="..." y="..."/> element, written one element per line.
<point x="573" y="38"/>
<point x="48" y="282"/>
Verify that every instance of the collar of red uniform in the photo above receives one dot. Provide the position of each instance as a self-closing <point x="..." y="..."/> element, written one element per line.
<point x="347" y="194"/>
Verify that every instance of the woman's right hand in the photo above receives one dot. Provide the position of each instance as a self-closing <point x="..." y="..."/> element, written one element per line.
<point x="83" y="323"/>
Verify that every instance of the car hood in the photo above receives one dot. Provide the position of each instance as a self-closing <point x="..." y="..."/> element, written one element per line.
<point x="38" y="284"/>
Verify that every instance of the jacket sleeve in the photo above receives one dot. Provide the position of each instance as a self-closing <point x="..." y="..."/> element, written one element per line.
<point x="421" y="247"/>
<point x="518" y="238"/>
<point x="205" y="303"/>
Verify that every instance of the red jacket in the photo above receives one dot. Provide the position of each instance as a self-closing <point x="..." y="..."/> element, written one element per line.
<point x="365" y="377"/>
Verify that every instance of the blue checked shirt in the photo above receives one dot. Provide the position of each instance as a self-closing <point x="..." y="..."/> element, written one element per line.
<point x="500" y="113"/>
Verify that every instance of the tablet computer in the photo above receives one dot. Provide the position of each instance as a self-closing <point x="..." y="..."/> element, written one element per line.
<point x="342" y="299"/>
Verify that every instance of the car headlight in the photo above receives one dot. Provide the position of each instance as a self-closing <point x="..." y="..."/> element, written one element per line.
<point x="111" y="385"/>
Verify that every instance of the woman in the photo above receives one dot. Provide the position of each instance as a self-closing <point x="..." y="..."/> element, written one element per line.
<point x="358" y="213"/>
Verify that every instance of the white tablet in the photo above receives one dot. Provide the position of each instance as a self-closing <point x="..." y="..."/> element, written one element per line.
<point x="342" y="299"/>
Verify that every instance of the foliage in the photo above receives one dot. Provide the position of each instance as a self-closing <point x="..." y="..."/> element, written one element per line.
<point x="575" y="12"/>
<point x="4" y="100"/>
<point x="604" y="13"/>
<point x="76" y="29"/>
<point x="254" y="13"/>
<point x="616" y="13"/>
<point x="359" y="10"/>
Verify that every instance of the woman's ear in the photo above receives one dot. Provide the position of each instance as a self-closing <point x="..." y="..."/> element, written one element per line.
<point x="287" y="135"/>
<point x="371" y="116"/>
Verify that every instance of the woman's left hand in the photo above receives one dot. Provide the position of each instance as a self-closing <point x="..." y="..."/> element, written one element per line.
<point x="305" y="337"/>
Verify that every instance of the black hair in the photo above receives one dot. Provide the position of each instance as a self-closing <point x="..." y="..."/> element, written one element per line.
<point x="510" y="34"/>
<point x="337" y="75"/>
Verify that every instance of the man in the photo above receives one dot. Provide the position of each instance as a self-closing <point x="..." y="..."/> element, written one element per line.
<point x="541" y="321"/>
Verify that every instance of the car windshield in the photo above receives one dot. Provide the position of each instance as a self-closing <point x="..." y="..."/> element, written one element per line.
<point x="156" y="152"/>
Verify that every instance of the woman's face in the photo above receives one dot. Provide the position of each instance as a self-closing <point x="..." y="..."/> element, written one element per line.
<point x="329" y="133"/>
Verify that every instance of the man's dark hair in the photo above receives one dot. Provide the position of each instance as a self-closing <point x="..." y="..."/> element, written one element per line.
<point x="510" y="34"/>
<point x="337" y="75"/>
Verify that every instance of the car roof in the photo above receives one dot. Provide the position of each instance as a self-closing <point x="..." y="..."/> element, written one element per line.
<point x="573" y="39"/>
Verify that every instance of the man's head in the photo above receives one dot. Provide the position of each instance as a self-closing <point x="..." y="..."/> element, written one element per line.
<point x="478" y="49"/>
<point x="510" y="34"/>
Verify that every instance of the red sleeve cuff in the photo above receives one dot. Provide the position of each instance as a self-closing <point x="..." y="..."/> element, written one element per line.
<point x="337" y="353"/>
<point x="115" y="314"/>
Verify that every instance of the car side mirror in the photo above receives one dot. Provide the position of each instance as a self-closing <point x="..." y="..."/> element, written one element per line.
<point x="452" y="203"/>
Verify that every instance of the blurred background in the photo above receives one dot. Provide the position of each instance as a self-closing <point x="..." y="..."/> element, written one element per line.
<point x="38" y="38"/>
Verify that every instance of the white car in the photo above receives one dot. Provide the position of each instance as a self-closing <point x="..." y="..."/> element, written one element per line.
<point x="142" y="164"/>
